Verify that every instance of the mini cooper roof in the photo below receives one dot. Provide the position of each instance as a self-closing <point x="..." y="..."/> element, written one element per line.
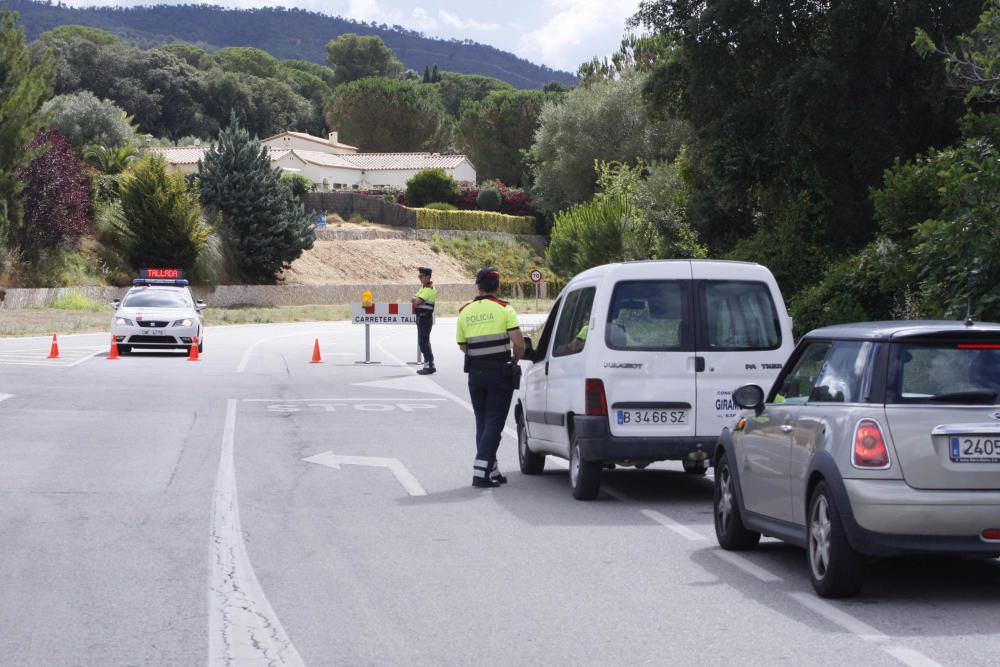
<point x="896" y="330"/>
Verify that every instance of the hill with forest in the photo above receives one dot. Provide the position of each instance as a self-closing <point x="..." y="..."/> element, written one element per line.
<point x="288" y="34"/>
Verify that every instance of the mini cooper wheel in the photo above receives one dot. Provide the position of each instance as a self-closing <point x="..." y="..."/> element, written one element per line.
<point x="835" y="568"/>
<point x="729" y="529"/>
<point x="584" y="476"/>
<point x="530" y="462"/>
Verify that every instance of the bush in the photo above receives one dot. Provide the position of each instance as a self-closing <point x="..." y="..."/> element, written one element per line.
<point x="438" y="206"/>
<point x="514" y="259"/>
<point x="513" y="201"/>
<point x="76" y="301"/>
<point x="431" y="185"/>
<point x="474" y="221"/>
<point x="589" y="234"/>
<point x="488" y="199"/>
<point x="298" y="183"/>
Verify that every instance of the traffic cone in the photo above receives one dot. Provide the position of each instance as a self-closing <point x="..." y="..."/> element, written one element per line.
<point x="113" y="353"/>
<point x="54" y="351"/>
<point x="316" y="358"/>
<point x="193" y="355"/>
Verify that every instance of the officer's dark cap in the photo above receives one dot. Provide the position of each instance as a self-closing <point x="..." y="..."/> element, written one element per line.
<point x="424" y="270"/>
<point x="489" y="274"/>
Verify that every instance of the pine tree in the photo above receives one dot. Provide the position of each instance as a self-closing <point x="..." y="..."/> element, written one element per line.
<point x="23" y="90"/>
<point x="263" y="222"/>
<point x="435" y="75"/>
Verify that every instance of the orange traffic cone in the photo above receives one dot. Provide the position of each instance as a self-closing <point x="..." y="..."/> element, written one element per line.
<point x="316" y="358"/>
<point x="113" y="353"/>
<point x="193" y="356"/>
<point x="54" y="351"/>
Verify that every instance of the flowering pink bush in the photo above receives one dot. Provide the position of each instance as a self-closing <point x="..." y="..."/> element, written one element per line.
<point x="513" y="201"/>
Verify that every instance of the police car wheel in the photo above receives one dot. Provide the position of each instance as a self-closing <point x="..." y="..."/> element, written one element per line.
<point x="530" y="462"/>
<point x="584" y="476"/>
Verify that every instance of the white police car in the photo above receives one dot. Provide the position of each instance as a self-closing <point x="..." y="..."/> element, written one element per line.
<point x="158" y="312"/>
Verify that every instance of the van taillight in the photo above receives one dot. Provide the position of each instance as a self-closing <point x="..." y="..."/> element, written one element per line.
<point x="869" y="446"/>
<point x="596" y="401"/>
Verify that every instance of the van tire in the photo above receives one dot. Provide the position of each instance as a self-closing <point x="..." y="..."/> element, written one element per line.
<point x="730" y="531"/>
<point x="530" y="462"/>
<point x="584" y="476"/>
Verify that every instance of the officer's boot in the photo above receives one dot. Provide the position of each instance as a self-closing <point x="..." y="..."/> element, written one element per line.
<point x="497" y="476"/>
<point x="428" y="369"/>
<point x="481" y="475"/>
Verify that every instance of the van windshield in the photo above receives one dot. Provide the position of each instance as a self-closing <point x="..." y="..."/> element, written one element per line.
<point x="738" y="315"/>
<point x="649" y="315"/>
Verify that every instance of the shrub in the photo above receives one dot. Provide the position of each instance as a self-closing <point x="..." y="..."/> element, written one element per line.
<point x="488" y="199"/>
<point x="439" y="206"/>
<point x="589" y="234"/>
<point x="298" y="183"/>
<point x="76" y="301"/>
<point x="431" y="185"/>
<point x="474" y="221"/>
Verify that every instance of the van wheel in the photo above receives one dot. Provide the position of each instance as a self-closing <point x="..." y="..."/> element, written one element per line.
<point x="835" y="568"/>
<point x="729" y="529"/>
<point x="530" y="462"/>
<point x="584" y="476"/>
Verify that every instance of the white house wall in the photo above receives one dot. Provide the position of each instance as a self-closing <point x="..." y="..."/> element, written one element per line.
<point x="298" y="143"/>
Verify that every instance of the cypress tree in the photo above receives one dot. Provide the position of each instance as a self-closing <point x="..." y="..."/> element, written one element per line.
<point x="23" y="90"/>
<point x="435" y="75"/>
<point x="427" y="74"/>
<point x="264" y="223"/>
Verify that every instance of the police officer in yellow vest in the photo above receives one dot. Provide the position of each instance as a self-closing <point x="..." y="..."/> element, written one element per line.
<point x="490" y="337"/>
<point x="423" y="306"/>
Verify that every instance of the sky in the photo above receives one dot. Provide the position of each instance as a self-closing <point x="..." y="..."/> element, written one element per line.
<point x="559" y="33"/>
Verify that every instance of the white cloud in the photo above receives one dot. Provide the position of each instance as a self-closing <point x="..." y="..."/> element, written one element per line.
<point x="576" y="31"/>
<point x="458" y="23"/>
<point x="371" y="11"/>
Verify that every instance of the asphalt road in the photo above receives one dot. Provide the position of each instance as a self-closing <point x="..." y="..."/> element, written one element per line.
<point x="156" y="511"/>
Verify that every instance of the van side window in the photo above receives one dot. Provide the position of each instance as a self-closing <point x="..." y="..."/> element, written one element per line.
<point x="649" y="315"/>
<point x="542" y="345"/>
<point x="797" y="385"/>
<point x="738" y="315"/>
<point x="574" y="322"/>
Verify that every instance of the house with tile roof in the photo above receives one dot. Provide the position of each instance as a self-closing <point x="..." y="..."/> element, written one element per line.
<point x="332" y="165"/>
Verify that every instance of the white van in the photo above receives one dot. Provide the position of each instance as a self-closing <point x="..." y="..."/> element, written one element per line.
<point x="637" y="363"/>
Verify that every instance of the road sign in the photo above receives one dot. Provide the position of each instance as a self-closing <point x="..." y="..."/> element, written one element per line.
<point x="383" y="313"/>
<point x="536" y="276"/>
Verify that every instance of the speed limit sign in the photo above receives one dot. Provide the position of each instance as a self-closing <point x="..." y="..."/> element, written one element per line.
<point x="536" y="276"/>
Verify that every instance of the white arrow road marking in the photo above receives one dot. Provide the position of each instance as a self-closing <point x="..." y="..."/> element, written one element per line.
<point x="403" y="476"/>
<point x="242" y="627"/>
<point x="4" y="397"/>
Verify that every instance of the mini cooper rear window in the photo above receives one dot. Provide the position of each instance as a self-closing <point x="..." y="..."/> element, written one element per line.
<point x="945" y="372"/>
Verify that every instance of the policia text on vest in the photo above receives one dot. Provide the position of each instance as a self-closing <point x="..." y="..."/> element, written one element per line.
<point x="490" y="336"/>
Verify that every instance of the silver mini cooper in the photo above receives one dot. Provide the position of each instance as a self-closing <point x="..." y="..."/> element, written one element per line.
<point x="877" y="439"/>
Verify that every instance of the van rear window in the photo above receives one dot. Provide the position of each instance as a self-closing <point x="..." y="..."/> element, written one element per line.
<point x="738" y="315"/>
<point x="650" y="315"/>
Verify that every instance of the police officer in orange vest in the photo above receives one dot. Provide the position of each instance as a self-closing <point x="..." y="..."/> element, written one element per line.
<point x="490" y="337"/>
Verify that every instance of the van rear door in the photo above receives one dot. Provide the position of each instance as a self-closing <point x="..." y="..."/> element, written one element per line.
<point x="742" y="337"/>
<point x="648" y="368"/>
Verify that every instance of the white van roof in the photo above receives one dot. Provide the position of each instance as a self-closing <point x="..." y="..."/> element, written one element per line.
<point x="640" y="266"/>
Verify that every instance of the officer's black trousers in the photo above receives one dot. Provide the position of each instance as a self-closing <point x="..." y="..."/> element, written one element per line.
<point x="424" y="324"/>
<point x="491" y="392"/>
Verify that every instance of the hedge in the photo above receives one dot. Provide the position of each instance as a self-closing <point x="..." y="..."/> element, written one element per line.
<point x="475" y="221"/>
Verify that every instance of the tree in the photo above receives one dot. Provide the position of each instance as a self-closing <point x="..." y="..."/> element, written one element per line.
<point x="84" y="120"/>
<point x="431" y="186"/>
<point x="435" y="75"/>
<point x="354" y="57"/>
<point x="262" y="221"/>
<point x="56" y="197"/>
<point x="427" y="74"/>
<point x="23" y="90"/>
<point x="410" y="115"/>
<point x="457" y="88"/>
<point x="110" y="163"/>
<point x="159" y="220"/>
<point x="497" y="131"/>
<point x="605" y="121"/>
<point x="247" y="60"/>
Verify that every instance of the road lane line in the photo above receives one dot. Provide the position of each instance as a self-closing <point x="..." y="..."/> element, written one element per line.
<point x="249" y="351"/>
<point x="308" y="400"/>
<point x="908" y="656"/>
<point x="839" y="617"/>
<point x="86" y="358"/>
<point x="670" y="524"/>
<point x="4" y="397"/>
<point x="242" y="626"/>
<point x="744" y="564"/>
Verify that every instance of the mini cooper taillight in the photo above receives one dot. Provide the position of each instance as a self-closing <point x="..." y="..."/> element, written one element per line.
<point x="596" y="401"/>
<point x="869" y="446"/>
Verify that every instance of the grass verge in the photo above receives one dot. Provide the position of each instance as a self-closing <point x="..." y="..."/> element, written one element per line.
<point x="45" y="321"/>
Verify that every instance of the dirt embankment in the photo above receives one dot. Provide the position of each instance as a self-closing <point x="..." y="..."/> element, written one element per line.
<point x="372" y="261"/>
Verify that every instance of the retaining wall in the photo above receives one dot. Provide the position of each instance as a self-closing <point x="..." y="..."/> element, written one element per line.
<point x="334" y="234"/>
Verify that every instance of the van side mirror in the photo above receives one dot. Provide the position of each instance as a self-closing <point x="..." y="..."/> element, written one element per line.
<point x="116" y="303"/>
<point x="529" y="349"/>
<point x="749" y="397"/>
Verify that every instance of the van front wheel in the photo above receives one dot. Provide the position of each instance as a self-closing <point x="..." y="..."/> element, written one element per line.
<point x="530" y="462"/>
<point x="584" y="476"/>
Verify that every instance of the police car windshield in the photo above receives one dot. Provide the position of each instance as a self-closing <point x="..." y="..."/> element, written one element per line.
<point x="157" y="298"/>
